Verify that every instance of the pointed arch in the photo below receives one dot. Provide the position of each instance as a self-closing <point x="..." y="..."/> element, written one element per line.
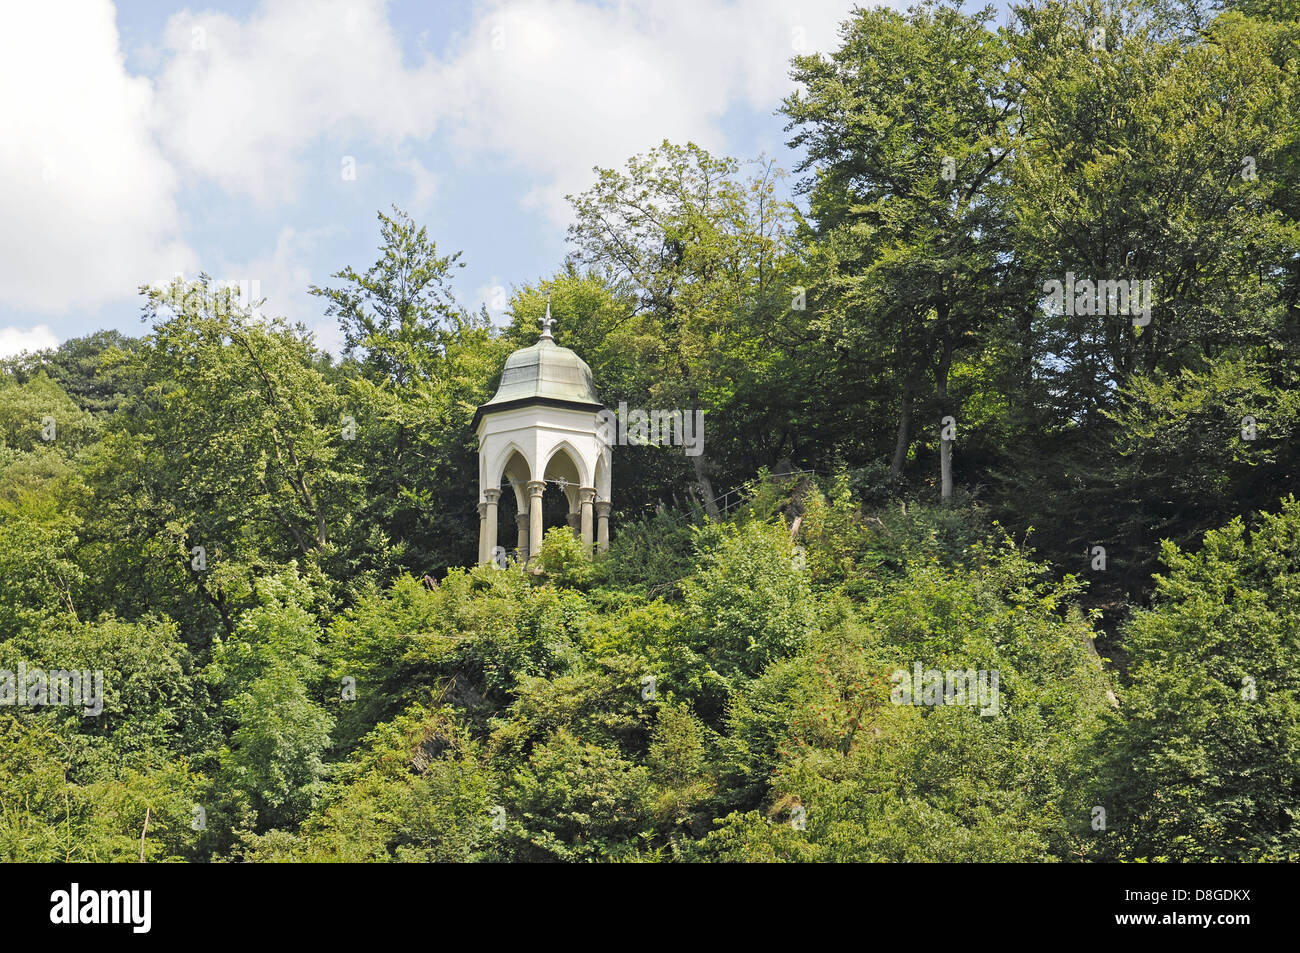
<point x="503" y="460"/>
<point x="602" y="479"/>
<point x="510" y="463"/>
<point x="574" y="457"/>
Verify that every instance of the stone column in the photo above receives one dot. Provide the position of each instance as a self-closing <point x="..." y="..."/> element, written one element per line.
<point x="490" y="523"/>
<point x="574" y="521"/>
<point x="535" y="488"/>
<point x="585" y="497"/>
<point x="602" y="526"/>
<point x="521" y="522"/>
<point x="482" y="533"/>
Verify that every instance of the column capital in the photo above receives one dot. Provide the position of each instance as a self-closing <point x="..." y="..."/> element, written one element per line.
<point x="535" y="487"/>
<point x="492" y="493"/>
<point x="602" y="507"/>
<point x="482" y="511"/>
<point x="586" y="494"/>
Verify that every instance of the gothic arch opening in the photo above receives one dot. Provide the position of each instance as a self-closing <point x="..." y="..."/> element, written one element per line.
<point x="563" y="479"/>
<point x="512" y="522"/>
<point x="515" y="475"/>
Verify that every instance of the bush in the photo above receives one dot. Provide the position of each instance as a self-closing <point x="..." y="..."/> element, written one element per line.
<point x="746" y="605"/>
<point x="1203" y="759"/>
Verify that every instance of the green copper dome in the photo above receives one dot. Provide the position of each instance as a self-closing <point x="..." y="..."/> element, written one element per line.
<point x="544" y="373"/>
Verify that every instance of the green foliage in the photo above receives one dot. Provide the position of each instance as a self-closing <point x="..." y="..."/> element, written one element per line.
<point x="267" y="673"/>
<point x="1186" y="182"/>
<point x="268" y="554"/>
<point x="1209" y="439"/>
<point x="906" y="130"/>
<point x="678" y="760"/>
<point x="40" y="414"/>
<point x="50" y="815"/>
<point x="697" y="253"/>
<point x="417" y="792"/>
<point x="651" y="554"/>
<point x="393" y="316"/>
<point x="563" y="559"/>
<point x="230" y="441"/>
<point x="149" y="699"/>
<point x="41" y="496"/>
<point x="1202" y="765"/>
<point x="86" y="368"/>
<point x="746" y="606"/>
<point x="469" y="642"/>
<point x="578" y="802"/>
<point x="601" y="703"/>
<point x="822" y="731"/>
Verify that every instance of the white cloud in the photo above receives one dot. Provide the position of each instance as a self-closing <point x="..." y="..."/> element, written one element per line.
<point x="93" y="159"/>
<point x="16" y="340"/>
<point x="239" y="102"/>
<point x="88" y="202"/>
<point x="558" y="86"/>
<point x="495" y="296"/>
<point x="551" y="86"/>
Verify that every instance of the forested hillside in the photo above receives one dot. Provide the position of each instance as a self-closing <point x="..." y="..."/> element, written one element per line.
<point x="950" y="449"/>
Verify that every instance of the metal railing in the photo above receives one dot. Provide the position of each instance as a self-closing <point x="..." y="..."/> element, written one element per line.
<point x="743" y="492"/>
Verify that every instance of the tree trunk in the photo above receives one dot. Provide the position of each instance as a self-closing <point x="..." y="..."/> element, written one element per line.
<point x="904" y="442"/>
<point x="144" y="830"/>
<point x="941" y="392"/>
<point x="706" y="488"/>
<point x="945" y="470"/>
<point x="700" y="462"/>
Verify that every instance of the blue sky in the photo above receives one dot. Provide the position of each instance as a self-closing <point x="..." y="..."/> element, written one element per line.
<point x="146" y="138"/>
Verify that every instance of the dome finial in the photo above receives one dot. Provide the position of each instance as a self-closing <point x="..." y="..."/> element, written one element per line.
<point x="546" y="322"/>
